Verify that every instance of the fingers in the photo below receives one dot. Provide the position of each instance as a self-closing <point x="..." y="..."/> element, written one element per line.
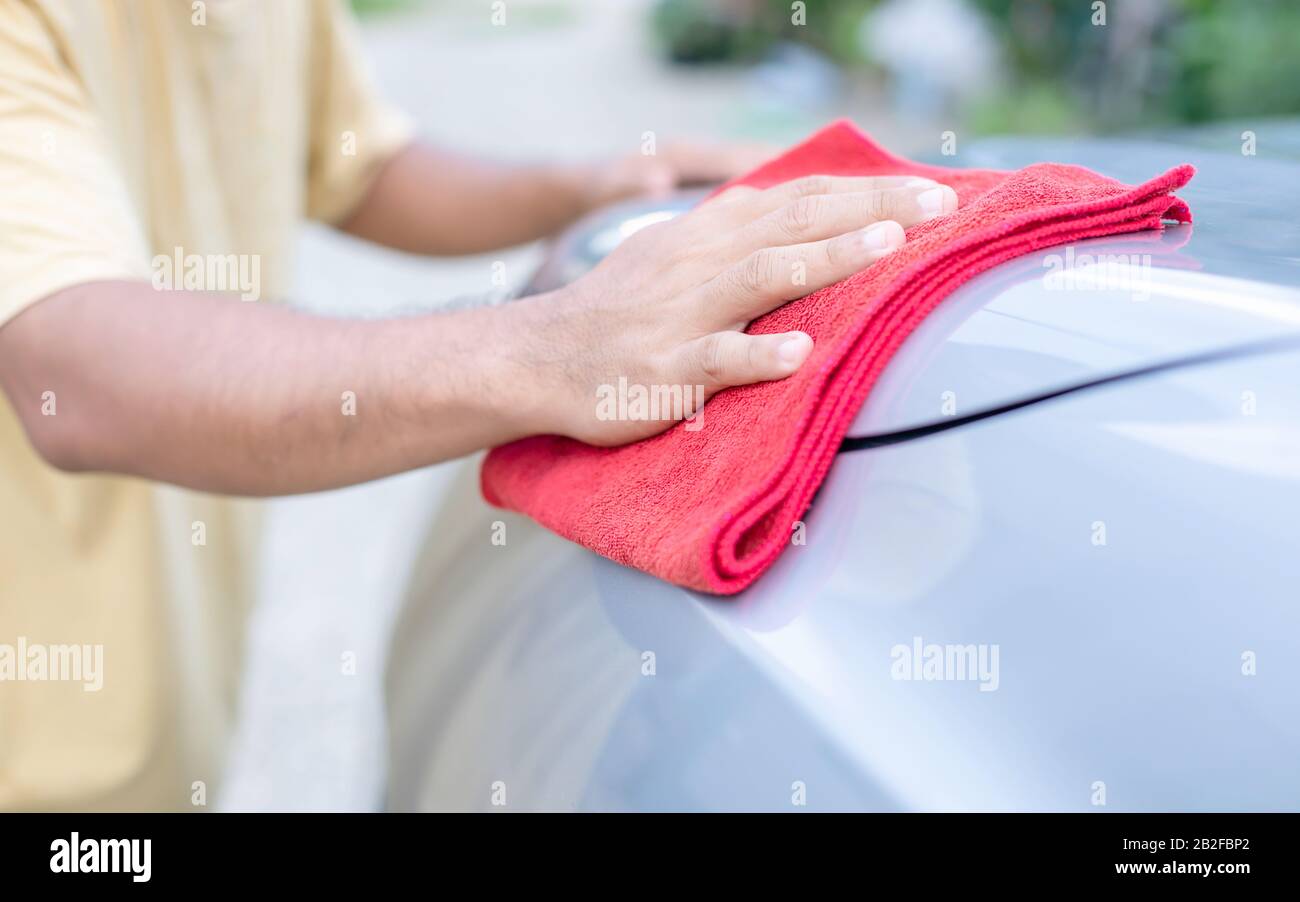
<point x="760" y="201"/>
<point x="742" y="220"/>
<point x="724" y="359"/>
<point x="809" y="186"/>
<point x="819" y="216"/>
<point x="768" y="278"/>
<point x="732" y="196"/>
<point x="701" y="163"/>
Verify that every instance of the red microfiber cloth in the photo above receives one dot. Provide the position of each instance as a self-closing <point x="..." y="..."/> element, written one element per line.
<point x="712" y="508"/>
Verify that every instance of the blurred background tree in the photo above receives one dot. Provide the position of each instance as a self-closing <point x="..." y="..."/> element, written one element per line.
<point x="1055" y="65"/>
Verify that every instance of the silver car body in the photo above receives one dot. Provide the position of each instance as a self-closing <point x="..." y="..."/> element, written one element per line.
<point x="1118" y="567"/>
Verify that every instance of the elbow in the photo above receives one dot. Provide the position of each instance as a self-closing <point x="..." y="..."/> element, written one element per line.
<point x="44" y="353"/>
<point x="61" y="443"/>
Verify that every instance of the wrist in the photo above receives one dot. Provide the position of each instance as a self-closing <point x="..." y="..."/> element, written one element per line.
<point x="536" y="363"/>
<point x="577" y="185"/>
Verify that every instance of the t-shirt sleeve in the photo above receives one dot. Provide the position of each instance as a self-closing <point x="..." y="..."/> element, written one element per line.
<point x="353" y="132"/>
<point x="65" y="214"/>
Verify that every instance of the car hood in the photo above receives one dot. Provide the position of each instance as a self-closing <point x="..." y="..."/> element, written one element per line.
<point x="1068" y="315"/>
<point x="1125" y="550"/>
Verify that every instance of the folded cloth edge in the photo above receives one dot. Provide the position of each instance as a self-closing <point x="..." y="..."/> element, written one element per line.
<point x="732" y="573"/>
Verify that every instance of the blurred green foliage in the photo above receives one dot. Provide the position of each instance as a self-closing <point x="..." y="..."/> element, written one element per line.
<point x="1238" y="59"/>
<point x="1156" y="63"/>
<point x="717" y="31"/>
<point x="534" y="13"/>
<point x="1177" y="61"/>
<point x="371" y="7"/>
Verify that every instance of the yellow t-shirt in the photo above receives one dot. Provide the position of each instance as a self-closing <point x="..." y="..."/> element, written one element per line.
<point x="129" y="130"/>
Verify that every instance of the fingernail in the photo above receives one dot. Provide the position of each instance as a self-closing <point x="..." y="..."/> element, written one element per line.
<point x="936" y="201"/>
<point x="793" y="349"/>
<point x="882" y="236"/>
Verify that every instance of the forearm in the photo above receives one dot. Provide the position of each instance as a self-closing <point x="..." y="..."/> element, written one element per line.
<point x="210" y="392"/>
<point x="428" y="201"/>
<point x="215" y="394"/>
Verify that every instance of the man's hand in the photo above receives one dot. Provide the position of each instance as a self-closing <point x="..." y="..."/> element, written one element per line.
<point x="667" y="308"/>
<point x="676" y="166"/>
